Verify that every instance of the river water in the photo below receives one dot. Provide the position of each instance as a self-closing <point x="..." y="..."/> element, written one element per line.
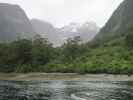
<point x="65" y="90"/>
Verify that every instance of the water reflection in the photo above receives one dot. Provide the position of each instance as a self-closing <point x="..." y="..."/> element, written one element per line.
<point x="65" y="90"/>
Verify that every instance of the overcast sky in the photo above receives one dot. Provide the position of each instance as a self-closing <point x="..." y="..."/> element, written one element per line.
<point x="62" y="12"/>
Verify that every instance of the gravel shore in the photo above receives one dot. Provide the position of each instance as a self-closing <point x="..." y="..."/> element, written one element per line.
<point x="64" y="76"/>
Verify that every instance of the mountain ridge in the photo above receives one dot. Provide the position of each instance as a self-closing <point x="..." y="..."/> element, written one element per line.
<point x="14" y="23"/>
<point x="119" y="23"/>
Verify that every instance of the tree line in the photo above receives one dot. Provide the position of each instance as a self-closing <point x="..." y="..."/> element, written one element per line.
<point x="38" y="55"/>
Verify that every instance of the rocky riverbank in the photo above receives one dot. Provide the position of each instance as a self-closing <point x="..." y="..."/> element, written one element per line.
<point x="63" y="76"/>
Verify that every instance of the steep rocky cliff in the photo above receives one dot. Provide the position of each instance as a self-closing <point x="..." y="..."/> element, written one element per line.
<point x="14" y="23"/>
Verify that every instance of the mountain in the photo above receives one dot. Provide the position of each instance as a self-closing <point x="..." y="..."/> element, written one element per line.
<point x="42" y="27"/>
<point x="47" y="30"/>
<point x="86" y="31"/>
<point x="14" y="23"/>
<point x="119" y="23"/>
<point x="58" y="36"/>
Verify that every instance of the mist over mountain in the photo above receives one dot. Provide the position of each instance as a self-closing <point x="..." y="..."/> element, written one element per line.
<point x="45" y="29"/>
<point x="58" y="36"/>
<point x="14" y="23"/>
<point x="86" y="30"/>
<point x="119" y="23"/>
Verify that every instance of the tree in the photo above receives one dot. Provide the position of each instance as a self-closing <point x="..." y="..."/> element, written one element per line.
<point x="71" y="49"/>
<point x="129" y="40"/>
<point x="22" y="49"/>
<point x="42" y="51"/>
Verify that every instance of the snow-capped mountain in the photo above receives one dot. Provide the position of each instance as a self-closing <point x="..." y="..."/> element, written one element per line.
<point x="86" y="31"/>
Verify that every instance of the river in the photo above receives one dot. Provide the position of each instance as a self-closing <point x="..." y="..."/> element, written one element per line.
<point x="66" y="90"/>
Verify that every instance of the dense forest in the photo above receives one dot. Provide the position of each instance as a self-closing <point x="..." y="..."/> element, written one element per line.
<point x="38" y="55"/>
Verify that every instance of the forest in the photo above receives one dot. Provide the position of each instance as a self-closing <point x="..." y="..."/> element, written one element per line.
<point x="114" y="56"/>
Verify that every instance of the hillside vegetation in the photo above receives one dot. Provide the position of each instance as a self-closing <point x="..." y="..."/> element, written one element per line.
<point x="38" y="55"/>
